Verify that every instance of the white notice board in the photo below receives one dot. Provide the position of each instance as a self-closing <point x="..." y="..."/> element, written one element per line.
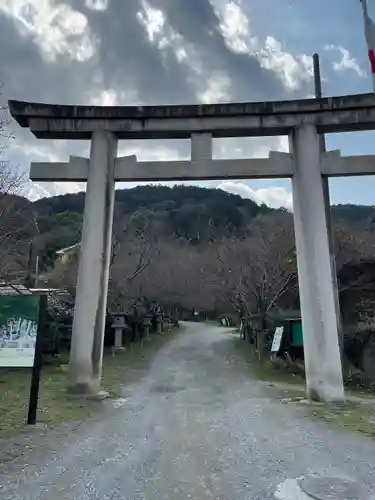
<point x="278" y="335"/>
<point x="18" y="329"/>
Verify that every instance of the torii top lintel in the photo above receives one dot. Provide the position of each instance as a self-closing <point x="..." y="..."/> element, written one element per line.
<point x="330" y="114"/>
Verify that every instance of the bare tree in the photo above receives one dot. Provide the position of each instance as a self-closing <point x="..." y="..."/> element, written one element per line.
<point x="174" y="278"/>
<point x="134" y="247"/>
<point x="14" y="214"/>
<point x="5" y="134"/>
<point x="257" y="272"/>
<point x="352" y="248"/>
<point x="351" y="245"/>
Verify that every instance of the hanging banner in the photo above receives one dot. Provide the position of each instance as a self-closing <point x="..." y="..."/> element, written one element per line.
<point x="18" y="329"/>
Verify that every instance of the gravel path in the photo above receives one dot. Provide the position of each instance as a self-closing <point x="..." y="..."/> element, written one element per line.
<point x="196" y="427"/>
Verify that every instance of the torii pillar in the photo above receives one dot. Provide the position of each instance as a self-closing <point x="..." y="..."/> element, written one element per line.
<point x="324" y="380"/>
<point x="86" y="353"/>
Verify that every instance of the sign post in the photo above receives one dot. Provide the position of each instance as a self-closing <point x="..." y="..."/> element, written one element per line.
<point x="22" y="322"/>
<point x="37" y="366"/>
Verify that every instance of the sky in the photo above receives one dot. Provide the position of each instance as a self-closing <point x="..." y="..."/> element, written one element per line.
<point x="145" y="52"/>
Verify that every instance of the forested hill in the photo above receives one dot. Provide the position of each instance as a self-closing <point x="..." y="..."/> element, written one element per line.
<point x="192" y="213"/>
<point x="185" y="210"/>
<point x="183" y="205"/>
<point x="215" y="202"/>
<point x="358" y="216"/>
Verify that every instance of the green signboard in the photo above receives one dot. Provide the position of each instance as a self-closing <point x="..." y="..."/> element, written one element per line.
<point x="18" y="329"/>
<point x="297" y="335"/>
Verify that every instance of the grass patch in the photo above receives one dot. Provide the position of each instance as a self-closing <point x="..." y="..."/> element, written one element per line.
<point x="355" y="416"/>
<point x="54" y="404"/>
<point x="267" y="370"/>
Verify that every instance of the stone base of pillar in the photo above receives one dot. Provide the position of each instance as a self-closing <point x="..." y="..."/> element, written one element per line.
<point x="89" y="390"/>
<point x="98" y="396"/>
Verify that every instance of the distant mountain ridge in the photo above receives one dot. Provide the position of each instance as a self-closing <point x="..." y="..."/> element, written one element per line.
<point x="189" y="212"/>
<point x="161" y="198"/>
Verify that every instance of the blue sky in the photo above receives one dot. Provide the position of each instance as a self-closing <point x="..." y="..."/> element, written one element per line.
<point x="311" y="25"/>
<point x="177" y="51"/>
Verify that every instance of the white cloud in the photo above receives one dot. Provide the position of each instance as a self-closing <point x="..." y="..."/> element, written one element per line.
<point x="241" y="189"/>
<point x="209" y="87"/>
<point x="347" y="62"/>
<point x="59" y="29"/>
<point x="97" y="4"/>
<point x="248" y="147"/>
<point x="36" y="190"/>
<point x="274" y="197"/>
<point x="103" y="95"/>
<point x="156" y="153"/>
<point x="56" y="29"/>
<point x="105" y="98"/>
<point x="216" y="89"/>
<point x="235" y="29"/>
<point x="283" y="144"/>
<point x="154" y="22"/>
<point x="293" y="70"/>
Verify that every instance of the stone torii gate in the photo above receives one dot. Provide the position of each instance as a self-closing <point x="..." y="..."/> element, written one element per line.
<point x="301" y="120"/>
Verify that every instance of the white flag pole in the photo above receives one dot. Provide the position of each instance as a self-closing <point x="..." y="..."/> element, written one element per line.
<point x="367" y="35"/>
<point x="364" y="7"/>
<point x="365" y="20"/>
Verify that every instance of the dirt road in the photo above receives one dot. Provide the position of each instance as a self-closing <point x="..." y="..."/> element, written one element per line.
<point x="196" y="427"/>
